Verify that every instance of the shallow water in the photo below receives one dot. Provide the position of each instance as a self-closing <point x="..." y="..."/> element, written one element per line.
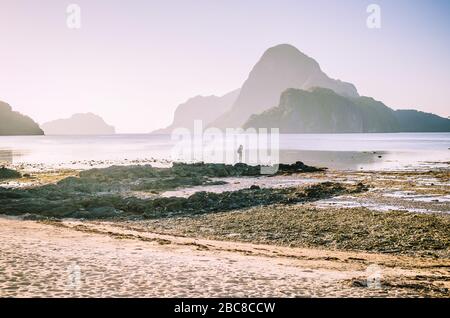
<point x="235" y="184"/>
<point x="337" y="151"/>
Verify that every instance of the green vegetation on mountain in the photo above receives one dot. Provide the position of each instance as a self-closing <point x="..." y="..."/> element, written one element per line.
<point x="376" y="117"/>
<point x="321" y="110"/>
<point x="13" y="123"/>
<point x="412" y="120"/>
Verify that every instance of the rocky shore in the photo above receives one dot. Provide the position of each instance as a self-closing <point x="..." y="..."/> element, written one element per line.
<point x="397" y="220"/>
<point x="6" y="173"/>
<point x="109" y="192"/>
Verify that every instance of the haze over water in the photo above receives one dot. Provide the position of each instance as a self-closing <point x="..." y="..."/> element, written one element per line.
<point x="336" y="151"/>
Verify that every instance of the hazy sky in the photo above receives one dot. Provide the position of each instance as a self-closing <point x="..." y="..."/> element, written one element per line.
<point x="133" y="62"/>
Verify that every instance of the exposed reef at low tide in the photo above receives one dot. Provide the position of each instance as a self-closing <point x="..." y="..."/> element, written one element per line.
<point x="108" y="193"/>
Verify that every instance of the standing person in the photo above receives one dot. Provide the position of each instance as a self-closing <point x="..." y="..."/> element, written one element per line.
<point x="239" y="151"/>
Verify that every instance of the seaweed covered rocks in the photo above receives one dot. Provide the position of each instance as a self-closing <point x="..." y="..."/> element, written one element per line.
<point x="111" y="192"/>
<point x="239" y="169"/>
<point x="54" y="201"/>
<point x="155" y="180"/>
<point x="6" y="173"/>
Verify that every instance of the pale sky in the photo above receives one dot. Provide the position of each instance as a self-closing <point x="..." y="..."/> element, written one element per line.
<point x="132" y="62"/>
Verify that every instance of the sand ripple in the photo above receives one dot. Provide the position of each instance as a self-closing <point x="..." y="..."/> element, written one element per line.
<point x="39" y="260"/>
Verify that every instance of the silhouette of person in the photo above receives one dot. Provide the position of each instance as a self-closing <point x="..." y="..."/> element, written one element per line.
<point x="239" y="151"/>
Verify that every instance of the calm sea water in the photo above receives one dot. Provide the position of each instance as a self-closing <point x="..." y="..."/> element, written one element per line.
<point x="338" y="151"/>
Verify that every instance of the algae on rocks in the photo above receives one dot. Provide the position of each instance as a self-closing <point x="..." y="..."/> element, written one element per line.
<point x="6" y="173"/>
<point x="108" y="193"/>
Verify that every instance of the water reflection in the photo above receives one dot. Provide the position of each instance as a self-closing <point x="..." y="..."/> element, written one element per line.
<point x="346" y="151"/>
<point x="6" y="156"/>
<point x="351" y="160"/>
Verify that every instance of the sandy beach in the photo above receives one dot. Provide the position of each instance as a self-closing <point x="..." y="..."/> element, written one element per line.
<point x="225" y="149"/>
<point x="309" y="234"/>
<point x="76" y="259"/>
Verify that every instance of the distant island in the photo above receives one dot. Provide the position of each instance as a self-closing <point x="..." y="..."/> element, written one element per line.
<point x="79" y="124"/>
<point x="287" y="89"/>
<point x="15" y="124"/>
<point x="323" y="111"/>
<point x="280" y="67"/>
<point x="204" y="108"/>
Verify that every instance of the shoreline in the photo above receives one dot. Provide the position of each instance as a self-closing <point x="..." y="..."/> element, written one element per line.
<point x="117" y="263"/>
<point x="317" y="236"/>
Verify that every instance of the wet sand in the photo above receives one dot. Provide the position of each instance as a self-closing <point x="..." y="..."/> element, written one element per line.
<point x="96" y="259"/>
